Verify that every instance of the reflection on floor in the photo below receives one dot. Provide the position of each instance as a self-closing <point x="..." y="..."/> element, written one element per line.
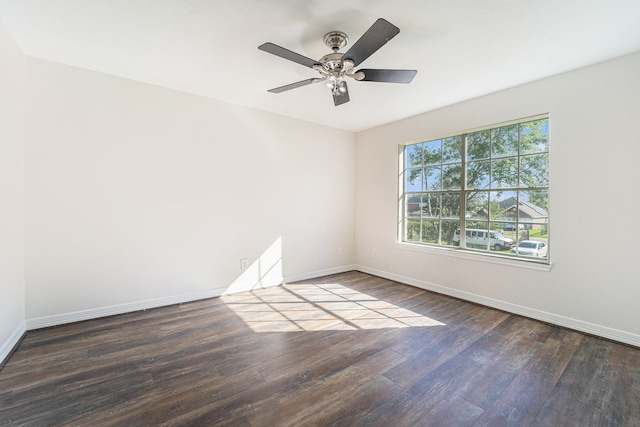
<point x="315" y="307"/>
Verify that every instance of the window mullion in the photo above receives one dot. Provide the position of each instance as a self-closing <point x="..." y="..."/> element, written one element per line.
<point x="463" y="192"/>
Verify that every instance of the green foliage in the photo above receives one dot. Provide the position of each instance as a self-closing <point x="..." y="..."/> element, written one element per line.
<point x="432" y="231"/>
<point x="452" y="150"/>
<point x="539" y="198"/>
<point x="479" y="145"/>
<point x="412" y="231"/>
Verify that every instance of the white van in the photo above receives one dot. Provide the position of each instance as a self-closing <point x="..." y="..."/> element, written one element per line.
<point x="478" y="239"/>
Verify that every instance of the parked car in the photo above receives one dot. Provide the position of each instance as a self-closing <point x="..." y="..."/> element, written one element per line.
<point x="481" y="238"/>
<point x="530" y="248"/>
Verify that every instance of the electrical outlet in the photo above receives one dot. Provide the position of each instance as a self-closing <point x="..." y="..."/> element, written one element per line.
<point x="339" y="251"/>
<point x="243" y="264"/>
<point x="375" y="253"/>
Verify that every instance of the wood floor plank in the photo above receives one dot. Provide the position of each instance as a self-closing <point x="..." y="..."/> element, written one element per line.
<point x="500" y="414"/>
<point x="536" y="380"/>
<point x="439" y="348"/>
<point x="348" y="349"/>
<point x="311" y="407"/>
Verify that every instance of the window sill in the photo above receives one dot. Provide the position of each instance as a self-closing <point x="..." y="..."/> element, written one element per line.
<point x="476" y="256"/>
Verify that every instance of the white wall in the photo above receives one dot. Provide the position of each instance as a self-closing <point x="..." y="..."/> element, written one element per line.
<point x="594" y="284"/>
<point x="139" y="193"/>
<point x="12" y="285"/>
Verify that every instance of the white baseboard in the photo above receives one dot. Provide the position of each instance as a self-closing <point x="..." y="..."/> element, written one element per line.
<point x="78" y="316"/>
<point x="7" y="346"/>
<point x="320" y="273"/>
<point x="94" y="313"/>
<point x="567" y="322"/>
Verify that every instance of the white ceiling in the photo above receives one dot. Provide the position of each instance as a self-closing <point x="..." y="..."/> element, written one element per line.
<point x="461" y="48"/>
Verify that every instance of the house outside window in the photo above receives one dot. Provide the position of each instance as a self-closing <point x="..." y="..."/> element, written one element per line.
<point x="493" y="183"/>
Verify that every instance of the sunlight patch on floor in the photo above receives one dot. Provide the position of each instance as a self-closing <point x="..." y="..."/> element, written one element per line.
<point x="318" y="307"/>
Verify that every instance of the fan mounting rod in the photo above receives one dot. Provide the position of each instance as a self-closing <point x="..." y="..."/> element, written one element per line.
<point x="336" y="40"/>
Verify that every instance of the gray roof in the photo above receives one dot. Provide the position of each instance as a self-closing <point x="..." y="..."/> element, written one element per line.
<point x="533" y="211"/>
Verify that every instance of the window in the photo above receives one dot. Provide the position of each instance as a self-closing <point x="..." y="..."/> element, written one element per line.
<point x="493" y="183"/>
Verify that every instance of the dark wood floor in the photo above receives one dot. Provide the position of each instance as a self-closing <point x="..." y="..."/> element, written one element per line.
<point x="342" y="350"/>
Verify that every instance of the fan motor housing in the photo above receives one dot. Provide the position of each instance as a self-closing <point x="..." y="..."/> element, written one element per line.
<point x="332" y="61"/>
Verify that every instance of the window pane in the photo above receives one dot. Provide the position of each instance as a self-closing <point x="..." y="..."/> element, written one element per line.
<point x="539" y="199"/>
<point x="430" y="231"/>
<point x="531" y="248"/>
<point x="413" y="155"/>
<point x="413" y="180"/>
<point x="412" y="207"/>
<point x="477" y="235"/>
<point x="432" y="153"/>
<point x="478" y="175"/>
<point x="534" y="170"/>
<point x="477" y="206"/>
<point x="504" y="173"/>
<point x="479" y="145"/>
<point x="452" y="177"/>
<point x="432" y="178"/>
<point x="502" y="206"/>
<point x="447" y="228"/>
<point x="504" y="141"/>
<point x="534" y="136"/>
<point x="431" y="205"/>
<point x="451" y="206"/>
<point x="499" y="241"/>
<point x="412" y="230"/>
<point x="533" y="209"/>
<point x="452" y="150"/>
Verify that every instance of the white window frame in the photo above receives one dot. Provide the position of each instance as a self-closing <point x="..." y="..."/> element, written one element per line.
<point x="462" y="250"/>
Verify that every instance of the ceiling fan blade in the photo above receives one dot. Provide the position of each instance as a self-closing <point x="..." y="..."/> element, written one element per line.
<point x="388" y="76"/>
<point x="373" y="39"/>
<point x="276" y="50"/>
<point x="343" y="98"/>
<point x="294" y="85"/>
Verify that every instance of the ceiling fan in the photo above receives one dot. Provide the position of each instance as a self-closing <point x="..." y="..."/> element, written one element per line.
<point x="336" y="66"/>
